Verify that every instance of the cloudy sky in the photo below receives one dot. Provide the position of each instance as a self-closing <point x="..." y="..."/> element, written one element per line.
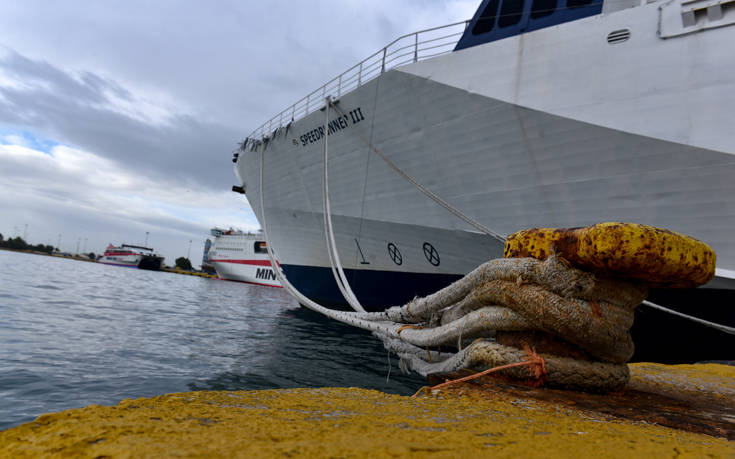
<point x="120" y="118"/>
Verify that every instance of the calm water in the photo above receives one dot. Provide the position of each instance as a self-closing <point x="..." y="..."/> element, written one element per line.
<point x="75" y="333"/>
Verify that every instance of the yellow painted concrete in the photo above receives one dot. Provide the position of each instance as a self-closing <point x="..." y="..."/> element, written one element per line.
<point x="344" y="422"/>
<point x="189" y="273"/>
<point x="622" y="250"/>
<point x="713" y="380"/>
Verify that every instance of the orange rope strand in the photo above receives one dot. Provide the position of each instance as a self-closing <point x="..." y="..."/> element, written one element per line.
<point x="531" y="359"/>
<point x="403" y="327"/>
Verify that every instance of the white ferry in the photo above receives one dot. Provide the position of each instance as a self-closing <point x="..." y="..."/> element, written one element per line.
<point x="131" y="256"/>
<point x="241" y="256"/>
<point x="534" y="113"/>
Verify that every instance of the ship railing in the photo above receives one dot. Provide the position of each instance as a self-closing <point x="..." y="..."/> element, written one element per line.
<point x="406" y="49"/>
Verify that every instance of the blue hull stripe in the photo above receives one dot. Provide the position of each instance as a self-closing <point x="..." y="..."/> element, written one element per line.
<point x="376" y="290"/>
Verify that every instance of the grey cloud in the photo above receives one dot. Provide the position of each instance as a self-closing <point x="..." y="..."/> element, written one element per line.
<point x="218" y="58"/>
<point x="227" y="66"/>
<point x="73" y="110"/>
<point x="39" y="73"/>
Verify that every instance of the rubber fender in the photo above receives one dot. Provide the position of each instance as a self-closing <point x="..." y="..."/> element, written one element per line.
<point x="631" y="251"/>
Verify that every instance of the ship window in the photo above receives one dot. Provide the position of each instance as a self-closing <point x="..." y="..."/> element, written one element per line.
<point x="486" y="21"/>
<point x="510" y="13"/>
<point x="577" y="3"/>
<point x="260" y="247"/>
<point x="541" y="8"/>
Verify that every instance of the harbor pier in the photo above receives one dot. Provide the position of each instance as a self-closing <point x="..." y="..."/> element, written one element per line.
<point x="679" y="411"/>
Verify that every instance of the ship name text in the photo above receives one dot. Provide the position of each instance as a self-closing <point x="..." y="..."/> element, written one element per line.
<point x="337" y="124"/>
<point x="265" y="273"/>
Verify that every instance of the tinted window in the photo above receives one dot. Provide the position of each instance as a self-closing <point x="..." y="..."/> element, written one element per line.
<point x="541" y="8"/>
<point x="577" y="3"/>
<point x="510" y="13"/>
<point x="260" y="247"/>
<point x="486" y="21"/>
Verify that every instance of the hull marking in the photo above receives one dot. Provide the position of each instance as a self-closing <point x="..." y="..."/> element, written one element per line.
<point x="432" y="256"/>
<point x="395" y="254"/>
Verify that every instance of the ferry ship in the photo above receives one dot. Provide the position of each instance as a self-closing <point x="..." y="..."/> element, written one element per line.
<point x="131" y="256"/>
<point x="534" y="113"/>
<point x="241" y="256"/>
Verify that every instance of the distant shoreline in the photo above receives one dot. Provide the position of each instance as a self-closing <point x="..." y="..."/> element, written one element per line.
<point x="36" y="252"/>
<point x="167" y="269"/>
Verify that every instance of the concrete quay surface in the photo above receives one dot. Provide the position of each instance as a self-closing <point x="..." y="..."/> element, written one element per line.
<point x="469" y="420"/>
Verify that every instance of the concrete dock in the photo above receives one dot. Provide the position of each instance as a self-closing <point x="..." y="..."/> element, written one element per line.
<point x="468" y="420"/>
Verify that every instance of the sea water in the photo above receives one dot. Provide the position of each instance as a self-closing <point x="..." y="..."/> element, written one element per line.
<point x="74" y="333"/>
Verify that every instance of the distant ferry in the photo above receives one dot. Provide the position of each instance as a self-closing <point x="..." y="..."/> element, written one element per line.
<point x="132" y="256"/>
<point x="242" y="257"/>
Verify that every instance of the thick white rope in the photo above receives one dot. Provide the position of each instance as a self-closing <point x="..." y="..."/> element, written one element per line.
<point x="334" y="261"/>
<point x="303" y="300"/>
<point x="716" y="326"/>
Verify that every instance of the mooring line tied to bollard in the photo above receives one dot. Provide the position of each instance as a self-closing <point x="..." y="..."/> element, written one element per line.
<point x="577" y="320"/>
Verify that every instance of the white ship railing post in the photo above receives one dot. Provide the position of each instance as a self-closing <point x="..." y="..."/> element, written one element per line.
<point x="339" y="85"/>
<point x="416" y="47"/>
<point x="359" y="75"/>
<point x="382" y="68"/>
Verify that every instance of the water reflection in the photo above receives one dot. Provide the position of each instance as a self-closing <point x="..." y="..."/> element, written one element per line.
<point x="309" y="350"/>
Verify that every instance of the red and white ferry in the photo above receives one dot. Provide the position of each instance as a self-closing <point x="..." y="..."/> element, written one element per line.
<point x="131" y="256"/>
<point x="241" y="256"/>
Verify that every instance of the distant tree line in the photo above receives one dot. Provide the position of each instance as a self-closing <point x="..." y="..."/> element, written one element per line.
<point x="17" y="243"/>
<point x="183" y="263"/>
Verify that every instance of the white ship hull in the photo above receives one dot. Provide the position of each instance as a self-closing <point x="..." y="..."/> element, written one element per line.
<point x="556" y="127"/>
<point x="251" y="274"/>
<point x="234" y="258"/>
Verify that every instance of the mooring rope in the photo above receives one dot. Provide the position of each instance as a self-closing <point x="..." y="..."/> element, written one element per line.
<point x="716" y="326"/>
<point x="532" y="360"/>
<point x="334" y="260"/>
<point x="303" y="300"/>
